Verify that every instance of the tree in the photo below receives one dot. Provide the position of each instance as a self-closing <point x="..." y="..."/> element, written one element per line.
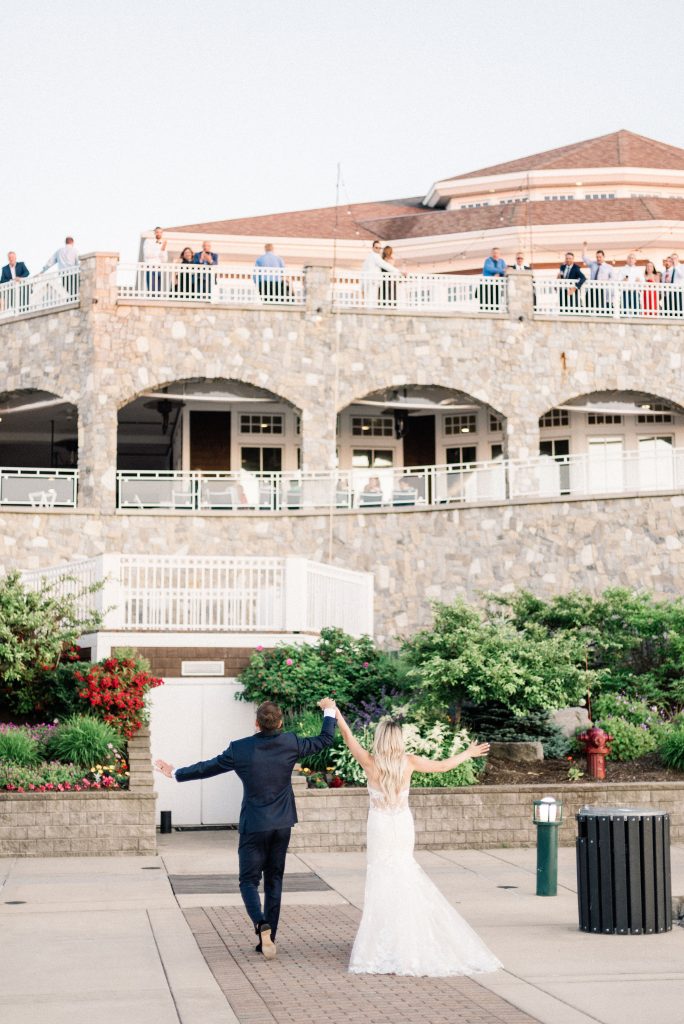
<point x="481" y="657"/>
<point x="37" y="628"/>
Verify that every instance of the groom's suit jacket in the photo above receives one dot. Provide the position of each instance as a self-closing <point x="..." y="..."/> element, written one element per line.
<point x="264" y="763"/>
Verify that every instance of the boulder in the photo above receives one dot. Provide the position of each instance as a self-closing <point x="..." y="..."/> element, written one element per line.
<point x="569" y="720"/>
<point x="530" y="750"/>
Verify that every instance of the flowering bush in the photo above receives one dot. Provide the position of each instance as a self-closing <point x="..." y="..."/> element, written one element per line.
<point x="629" y="741"/>
<point x="53" y="777"/>
<point x="296" y="677"/>
<point x="437" y="742"/>
<point x="115" y="689"/>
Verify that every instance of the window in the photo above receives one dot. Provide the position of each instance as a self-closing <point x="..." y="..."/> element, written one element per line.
<point x="657" y="413"/>
<point x="373" y="426"/>
<point x="555" y="418"/>
<point x="298" y="425"/>
<point x="561" y="197"/>
<point x="261" y="460"/>
<point x="600" y="195"/>
<point x="557" y="448"/>
<point x="497" y="451"/>
<point x="372" y="458"/>
<point x="517" y="199"/>
<point x="602" y="418"/>
<point x="495" y="423"/>
<point x="464" y="423"/>
<point x="464" y="455"/>
<point x="260" y="423"/>
<point x="473" y="206"/>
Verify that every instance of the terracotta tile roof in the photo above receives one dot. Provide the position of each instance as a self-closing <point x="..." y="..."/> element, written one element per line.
<point x="327" y="222"/>
<point x="619" y="149"/>
<point x="488" y="218"/>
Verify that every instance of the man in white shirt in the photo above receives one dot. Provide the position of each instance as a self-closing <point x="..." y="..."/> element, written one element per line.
<point x="519" y="263"/>
<point x="66" y="260"/>
<point x="154" y="252"/>
<point x="598" y="296"/>
<point x="631" y="274"/>
<point x="371" y="272"/>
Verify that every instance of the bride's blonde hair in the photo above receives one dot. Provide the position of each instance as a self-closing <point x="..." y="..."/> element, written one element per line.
<point x="389" y="754"/>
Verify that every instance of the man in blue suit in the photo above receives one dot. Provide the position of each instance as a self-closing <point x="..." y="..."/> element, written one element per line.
<point x="13" y="270"/>
<point x="264" y="764"/>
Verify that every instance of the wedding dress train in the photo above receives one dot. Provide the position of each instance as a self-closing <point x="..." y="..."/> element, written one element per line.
<point x="408" y="927"/>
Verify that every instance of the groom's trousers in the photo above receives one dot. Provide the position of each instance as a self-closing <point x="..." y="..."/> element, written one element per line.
<point x="263" y="853"/>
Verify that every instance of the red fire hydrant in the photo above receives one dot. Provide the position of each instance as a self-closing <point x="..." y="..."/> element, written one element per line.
<point x="596" y="748"/>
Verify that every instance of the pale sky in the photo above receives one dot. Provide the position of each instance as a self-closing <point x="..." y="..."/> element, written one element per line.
<point x="120" y="114"/>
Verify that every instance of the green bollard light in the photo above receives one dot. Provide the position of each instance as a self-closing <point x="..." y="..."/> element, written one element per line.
<point x="547" y="816"/>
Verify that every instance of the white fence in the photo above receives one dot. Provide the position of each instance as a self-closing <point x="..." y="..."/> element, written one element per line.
<point x="600" y="470"/>
<point x="609" y="299"/>
<point x="218" y="594"/>
<point x="188" y="282"/>
<point x="38" y="488"/>
<point x="44" y="291"/>
<point x="437" y="293"/>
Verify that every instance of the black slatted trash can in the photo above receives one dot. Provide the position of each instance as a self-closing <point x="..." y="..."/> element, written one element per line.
<point x="623" y="870"/>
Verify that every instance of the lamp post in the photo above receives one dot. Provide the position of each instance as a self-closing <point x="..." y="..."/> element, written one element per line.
<point x="547" y="816"/>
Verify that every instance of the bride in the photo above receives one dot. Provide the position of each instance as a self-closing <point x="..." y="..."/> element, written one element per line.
<point x="407" y="927"/>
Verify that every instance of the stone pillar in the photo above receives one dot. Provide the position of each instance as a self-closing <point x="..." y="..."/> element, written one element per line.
<point x="520" y="295"/>
<point x="319" y="428"/>
<point x="521" y="446"/>
<point x="141" y="777"/>
<point x="317" y="284"/>
<point x="97" y="414"/>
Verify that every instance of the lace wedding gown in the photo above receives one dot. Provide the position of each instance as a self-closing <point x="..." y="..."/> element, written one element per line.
<point x="408" y="927"/>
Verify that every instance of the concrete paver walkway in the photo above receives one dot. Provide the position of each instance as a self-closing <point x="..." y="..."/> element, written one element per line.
<point x="98" y="939"/>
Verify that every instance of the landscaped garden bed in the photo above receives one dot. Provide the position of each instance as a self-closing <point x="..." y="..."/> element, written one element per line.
<point x="75" y="769"/>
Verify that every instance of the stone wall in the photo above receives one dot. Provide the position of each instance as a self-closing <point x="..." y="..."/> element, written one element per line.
<point x="476" y="817"/>
<point x="95" y="823"/>
<point x="415" y="555"/>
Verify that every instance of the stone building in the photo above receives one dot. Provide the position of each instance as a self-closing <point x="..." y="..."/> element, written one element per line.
<point x="243" y="468"/>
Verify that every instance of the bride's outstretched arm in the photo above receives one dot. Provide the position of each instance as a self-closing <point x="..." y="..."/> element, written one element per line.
<point x="355" y="748"/>
<point x="424" y="764"/>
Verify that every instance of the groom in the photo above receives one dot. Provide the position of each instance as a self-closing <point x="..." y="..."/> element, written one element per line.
<point x="264" y="764"/>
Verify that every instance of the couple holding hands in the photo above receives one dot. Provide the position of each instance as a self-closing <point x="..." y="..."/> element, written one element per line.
<point x="407" y="927"/>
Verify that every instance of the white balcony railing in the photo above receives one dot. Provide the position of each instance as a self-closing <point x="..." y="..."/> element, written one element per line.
<point x="38" y="488"/>
<point x="217" y="594"/>
<point x="231" y="286"/>
<point x="437" y="293"/>
<point x="609" y="299"/>
<point x="44" y="291"/>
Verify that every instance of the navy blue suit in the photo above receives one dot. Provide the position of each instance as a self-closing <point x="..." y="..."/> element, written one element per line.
<point x="20" y="270"/>
<point x="264" y="764"/>
<point x="574" y="274"/>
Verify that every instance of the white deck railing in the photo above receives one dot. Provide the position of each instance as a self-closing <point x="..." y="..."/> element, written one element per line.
<point x="217" y="594"/>
<point x="437" y="293"/>
<point x="594" y="472"/>
<point x="609" y="299"/>
<point x="38" y="488"/>
<point x="231" y="286"/>
<point x="44" y="291"/>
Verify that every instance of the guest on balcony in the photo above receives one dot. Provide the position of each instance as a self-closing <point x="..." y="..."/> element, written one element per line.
<point x="185" y="284"/>
<point x="494" y="270"/>
<point x="631" y="274"/>
<point x="269" y="275"/>
<point x="16" y="298"/>
<point x="371" y="274"/>
<point x="569" y="271"/>
<point x="154" y="254"/>
<point x="66" y="260"/>
<point x="519" y="263"/>
<point x="599" y="294"/>
<point x="388" y="288"/>
<point x="205" y="258"/>
<point x="676" y="278"/>
<point x="651" y="278"/>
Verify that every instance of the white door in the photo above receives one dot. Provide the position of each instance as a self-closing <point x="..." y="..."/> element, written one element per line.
<point x="656" y="464"/>
<point x="194" y="720"/>
<point x="605" y="465"/>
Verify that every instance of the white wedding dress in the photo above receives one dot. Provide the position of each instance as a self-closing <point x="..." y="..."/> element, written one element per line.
<point x="408" y="927"/>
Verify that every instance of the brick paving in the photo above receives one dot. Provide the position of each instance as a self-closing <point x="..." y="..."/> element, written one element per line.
<point x="309" y="980"/>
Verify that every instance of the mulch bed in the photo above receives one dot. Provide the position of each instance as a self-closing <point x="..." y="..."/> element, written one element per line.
<point x="648" y="768"/>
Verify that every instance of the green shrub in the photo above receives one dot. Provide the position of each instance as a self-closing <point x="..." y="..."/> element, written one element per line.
<point x="629" y="740"/>
<point x="497" y="722"/>
<point x="83" y="740"/>
<point x="18" y="747"/>
<point x="297" y="676"/>
<point x="671" y="748"/>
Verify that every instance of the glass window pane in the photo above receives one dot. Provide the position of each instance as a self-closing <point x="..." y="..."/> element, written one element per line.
<point x="250" y="459"/>
<point x="272" y="459"/>
<point x="382" y="459"/>
<point x="361" y="458"/>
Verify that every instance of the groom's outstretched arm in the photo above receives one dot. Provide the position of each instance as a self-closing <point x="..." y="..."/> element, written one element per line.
<point x="207" y="769"/>
<point x="308" y="745"/>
